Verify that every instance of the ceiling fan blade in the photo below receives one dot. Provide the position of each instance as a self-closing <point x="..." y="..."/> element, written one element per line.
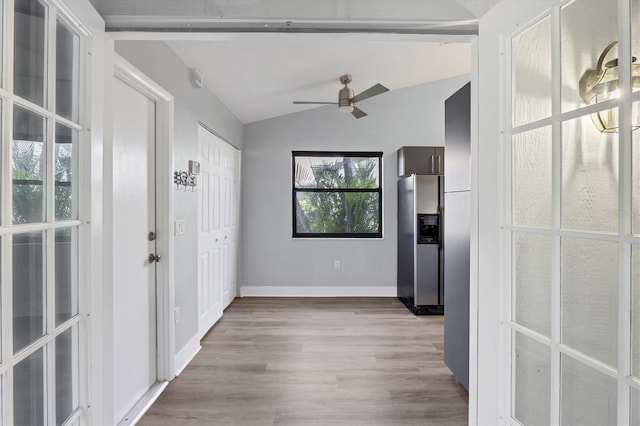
<point x="370" y="92"/>
<point x="314" y="103"/>
<point x="358" y="113"/>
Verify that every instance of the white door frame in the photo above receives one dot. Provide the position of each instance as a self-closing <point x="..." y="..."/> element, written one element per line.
<point x="126" y="72"/>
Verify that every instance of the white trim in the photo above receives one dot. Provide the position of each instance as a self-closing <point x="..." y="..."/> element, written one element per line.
<point x="135" y="78"/>
<point x="102" y="298"/>
<point x="165" y="242"/>
<point x="317" y="291"/>
<point x="473" y="241"/>
<point x="489" y="377"/>
<point x="71" y="18"/>
<point x="625" y="189"/>
<point x="243" y="36"/>
<point x="204" y="23"/>
<point x="126" y="72"/>
<point x="556" y="221"/>
<point x="186" y="354"/>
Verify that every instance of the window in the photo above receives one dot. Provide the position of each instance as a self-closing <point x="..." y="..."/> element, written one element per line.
<point x="337" y="194"/>
<point x="41" y="230"/>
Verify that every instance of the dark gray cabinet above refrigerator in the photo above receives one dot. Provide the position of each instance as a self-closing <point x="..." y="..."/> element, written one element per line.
<point x="421" y="160"/>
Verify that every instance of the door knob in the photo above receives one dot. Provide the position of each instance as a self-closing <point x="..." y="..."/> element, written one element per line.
<point x="154" y="258"/>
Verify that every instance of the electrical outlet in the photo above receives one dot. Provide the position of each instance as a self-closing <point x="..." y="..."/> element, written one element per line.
<point x="336" y="264"/>
<point x="176" y="315"/>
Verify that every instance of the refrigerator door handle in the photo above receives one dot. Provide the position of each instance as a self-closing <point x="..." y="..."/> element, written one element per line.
<point x="432" y="164"/>
<point x="439" y="168"/>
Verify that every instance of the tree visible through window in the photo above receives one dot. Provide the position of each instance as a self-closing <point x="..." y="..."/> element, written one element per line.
<point x="337" y="194"/>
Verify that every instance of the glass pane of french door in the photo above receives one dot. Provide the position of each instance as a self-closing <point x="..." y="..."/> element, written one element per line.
<point x="532" y="79"/>
<point x="66" y="275"/>
<point x="29" y="285"/>
<point x="635" y="177"/>
<point x="532" y="377"/>
<point x="67" y="71"/>
<point x="29" y="56"/>
<point x="532" y="281"/>
<point x="65" y="152"/>
<point x="589" y="301"/>
<point x="532" y="178"/>
<point x="635" y="406"/>
<point x="635" y="313"/>
<point x="589" y="177"/>
<point x="66" y="368"/>
<point x="588" y="397"/>
<point x="587" y="27"/>
<point x="28" y="163"/>
<point x="29" y="390"/>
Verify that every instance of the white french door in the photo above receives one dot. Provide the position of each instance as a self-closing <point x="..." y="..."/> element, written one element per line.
<point x="571" y="218"/>
<point x="218" y="196"/>
<point x="43" y="321"/>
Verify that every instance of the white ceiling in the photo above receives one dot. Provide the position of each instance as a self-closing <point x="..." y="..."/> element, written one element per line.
<point x="259" y="77"/>
<point x="258" y="56"/>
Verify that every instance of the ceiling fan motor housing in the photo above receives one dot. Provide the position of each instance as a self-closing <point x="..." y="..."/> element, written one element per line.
<point x="345" y="99"/>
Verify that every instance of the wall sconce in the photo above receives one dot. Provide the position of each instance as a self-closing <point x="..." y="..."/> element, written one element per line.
<point x="601" y="84"/>
<point x="187" y="181"/>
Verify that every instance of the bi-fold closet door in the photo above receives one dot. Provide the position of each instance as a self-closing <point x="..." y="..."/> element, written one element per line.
<point x="218" y="201"/>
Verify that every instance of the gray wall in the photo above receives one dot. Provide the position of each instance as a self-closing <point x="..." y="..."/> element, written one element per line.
<point x="192" y="105"/>
<point x="269" y="256"/>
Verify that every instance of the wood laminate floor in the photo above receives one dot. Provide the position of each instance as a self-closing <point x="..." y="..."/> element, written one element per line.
<point x="316" y="361"/>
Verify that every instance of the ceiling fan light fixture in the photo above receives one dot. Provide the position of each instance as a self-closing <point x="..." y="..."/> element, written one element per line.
<point x="345" y="96"/>
<point x="347" y="99"/>
<point x="346" y="108"/>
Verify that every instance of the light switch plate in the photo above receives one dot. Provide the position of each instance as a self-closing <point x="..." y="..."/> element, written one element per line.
<point x="196" y="79"/>
<point x="178" y="227"/>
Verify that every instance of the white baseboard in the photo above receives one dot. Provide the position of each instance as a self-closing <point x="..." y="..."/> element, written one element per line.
<point x="303" y="291"/>
<point x="187" y="353"/>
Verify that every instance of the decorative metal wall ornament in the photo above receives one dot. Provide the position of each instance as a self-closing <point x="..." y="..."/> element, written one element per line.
<point x="601" y="84"/>
<point x="187" y="180"/>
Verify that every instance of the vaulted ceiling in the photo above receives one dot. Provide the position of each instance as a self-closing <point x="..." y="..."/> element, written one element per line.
<point x="258" y="56"/>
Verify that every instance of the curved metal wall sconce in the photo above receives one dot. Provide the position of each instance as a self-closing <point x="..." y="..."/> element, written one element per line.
<point x="602" y="83"/>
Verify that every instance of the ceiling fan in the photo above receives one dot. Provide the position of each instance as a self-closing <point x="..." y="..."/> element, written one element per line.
<point x="347" y="100"/>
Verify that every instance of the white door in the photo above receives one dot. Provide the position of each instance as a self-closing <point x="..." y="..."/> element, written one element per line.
<point x="229" y="208"/>
<point x="209" y="233"/>
<point x="134" y="276"/>
<point x="217" y="226"/>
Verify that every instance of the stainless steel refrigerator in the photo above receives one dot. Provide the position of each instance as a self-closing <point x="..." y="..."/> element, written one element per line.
<point x="420" y="233"/>
<point x="457" y="233"/>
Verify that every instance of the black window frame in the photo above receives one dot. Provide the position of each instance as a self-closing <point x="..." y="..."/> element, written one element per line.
<point x="337" y="154"/>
